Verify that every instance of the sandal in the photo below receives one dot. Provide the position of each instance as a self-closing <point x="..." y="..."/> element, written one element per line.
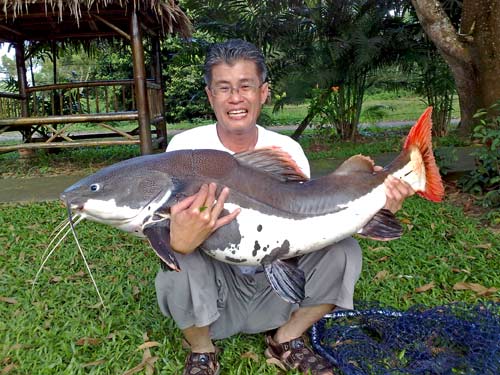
<point x="300" y="357"/>
<point x="201" y="364"/>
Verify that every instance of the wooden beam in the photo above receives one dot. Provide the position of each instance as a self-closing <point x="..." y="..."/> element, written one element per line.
<point x="15" y="32"/>
<point x="88" y="35"/>
<point x="10" y="95"/>
<point x="80" y="84"/>
<point x="101" y="117"/>
<point x="115" y="28"/>
<point x="9" y="148"/>
<point x="140" y="85"/>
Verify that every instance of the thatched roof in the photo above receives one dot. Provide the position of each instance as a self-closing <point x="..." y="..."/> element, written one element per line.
<point x="41" y="20"/>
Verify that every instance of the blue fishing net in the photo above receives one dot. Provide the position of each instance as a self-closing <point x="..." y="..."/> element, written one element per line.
<point x="451" y="339"/>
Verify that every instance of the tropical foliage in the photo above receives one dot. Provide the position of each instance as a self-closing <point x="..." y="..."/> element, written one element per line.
<point x="484" y="180"/>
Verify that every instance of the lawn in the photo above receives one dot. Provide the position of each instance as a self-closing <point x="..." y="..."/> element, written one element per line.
<point x="59" y="327"/>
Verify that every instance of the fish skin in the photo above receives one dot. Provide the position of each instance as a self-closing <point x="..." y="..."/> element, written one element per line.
<point x="278" y="205"/>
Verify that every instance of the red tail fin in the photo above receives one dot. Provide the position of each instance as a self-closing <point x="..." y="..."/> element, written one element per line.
<point x="420" y="136"/>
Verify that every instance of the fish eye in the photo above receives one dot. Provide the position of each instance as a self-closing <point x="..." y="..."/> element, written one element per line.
<point x="95" y="187"/>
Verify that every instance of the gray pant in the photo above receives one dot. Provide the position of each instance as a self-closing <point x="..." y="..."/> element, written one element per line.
<point x="217" y="294"/>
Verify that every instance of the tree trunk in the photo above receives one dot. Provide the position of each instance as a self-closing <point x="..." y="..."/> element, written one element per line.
<point x="473" y="54"/>
<point x="303" y="125"/>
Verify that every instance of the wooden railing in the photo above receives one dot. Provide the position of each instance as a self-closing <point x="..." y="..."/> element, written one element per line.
<point x="81" y="97"/>
<point x="10" y="105"/>
<point x="54" y="109"/>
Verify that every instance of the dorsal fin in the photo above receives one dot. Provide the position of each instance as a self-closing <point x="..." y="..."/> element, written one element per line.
<point x="356" y="163"/>
<point x="274" y="161"/>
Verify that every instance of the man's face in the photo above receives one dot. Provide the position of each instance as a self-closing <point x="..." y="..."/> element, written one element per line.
<point x="236" y="110"/>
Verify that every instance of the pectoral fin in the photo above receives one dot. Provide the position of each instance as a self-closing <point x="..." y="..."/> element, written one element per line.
<point x="287" y="280"/>
<point x="158" y="235"/>
<point x="384" y="226"/>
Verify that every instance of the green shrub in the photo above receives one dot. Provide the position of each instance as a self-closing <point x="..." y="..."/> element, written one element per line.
<point x="485" y="179"/>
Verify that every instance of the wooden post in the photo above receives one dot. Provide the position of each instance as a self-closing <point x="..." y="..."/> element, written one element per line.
<point x="141" y="94"/>
<point x="21" y="77"/>
<point x="23" y="84"/>
<point x="161" y="127"/>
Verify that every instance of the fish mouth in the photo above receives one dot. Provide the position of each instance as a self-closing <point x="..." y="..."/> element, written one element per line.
<point x="128" y="219"/>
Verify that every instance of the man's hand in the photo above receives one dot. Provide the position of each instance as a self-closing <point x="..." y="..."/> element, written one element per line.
<point x="195" y="218"/>
<point x="396" y="191"/>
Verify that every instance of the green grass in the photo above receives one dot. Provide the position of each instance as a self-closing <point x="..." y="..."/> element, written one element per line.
<point x="42" y="332"/>
<point x="398" y="107"/>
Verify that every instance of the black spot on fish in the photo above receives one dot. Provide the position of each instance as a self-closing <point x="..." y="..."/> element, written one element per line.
<point x="277" y="253"/>
<point x="259" y="228"/>
<point x="234" y="260"/>
<point x="256" y="248"/>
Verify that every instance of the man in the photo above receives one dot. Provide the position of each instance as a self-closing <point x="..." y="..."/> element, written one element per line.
<point x="213" y="300"/>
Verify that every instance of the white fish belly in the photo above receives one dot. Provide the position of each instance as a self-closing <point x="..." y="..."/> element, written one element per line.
<point x="261" y="233"/>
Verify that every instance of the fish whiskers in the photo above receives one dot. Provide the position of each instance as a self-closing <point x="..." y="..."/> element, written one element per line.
<point x="58" y="235"/>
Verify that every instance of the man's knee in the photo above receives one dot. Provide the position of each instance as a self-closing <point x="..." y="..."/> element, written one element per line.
<point x="189" y="264"/>
<point x="350" y="248"/>
<point x="346" y="253"/>
<point x="188" y="296"/>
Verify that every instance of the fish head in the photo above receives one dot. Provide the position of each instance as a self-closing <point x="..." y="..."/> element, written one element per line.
<point x="122" y="193"/>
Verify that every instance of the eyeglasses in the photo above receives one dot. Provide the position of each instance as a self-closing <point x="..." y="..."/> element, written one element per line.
<point x="225" y="91"/>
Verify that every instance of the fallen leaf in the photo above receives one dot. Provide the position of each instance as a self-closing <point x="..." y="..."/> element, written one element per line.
<point x="95" y="363"/>
<point x="381" y="275"/>
<point x="135" y="292"/>
<point x="383" y="259"/>
<point x="135" y="370"/>
<point x="10" y="300"/>
<point x="250" y="355"/>
<point x="18" y="346"/>
<point x="6" y="360"/>
<point x="276" y="362"/>
<point x="378" y="248"/>
<point x="8" y="368"/>
<point x="77" y="275"/>
<point x="405" y="221"/>
<point x="149" y="344"/>
<point x="489" y="292"/>
<point x="88" y="341"/>
<point x="425" y="288"/>
<point x="140" y="366"/>
<point x="479" y="289"/>
<point x="55" y="279"/>
<point x="459" y="270"/>
<point x="146" y="358"/>
<point x="483" y="246"/>
<point x="97" y="305"/>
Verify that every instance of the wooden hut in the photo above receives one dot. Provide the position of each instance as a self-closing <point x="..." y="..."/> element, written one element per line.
<point x="45" y="114"/>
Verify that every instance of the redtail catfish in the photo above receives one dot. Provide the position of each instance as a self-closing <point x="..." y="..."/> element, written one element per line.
<point x="283" y="214"/>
